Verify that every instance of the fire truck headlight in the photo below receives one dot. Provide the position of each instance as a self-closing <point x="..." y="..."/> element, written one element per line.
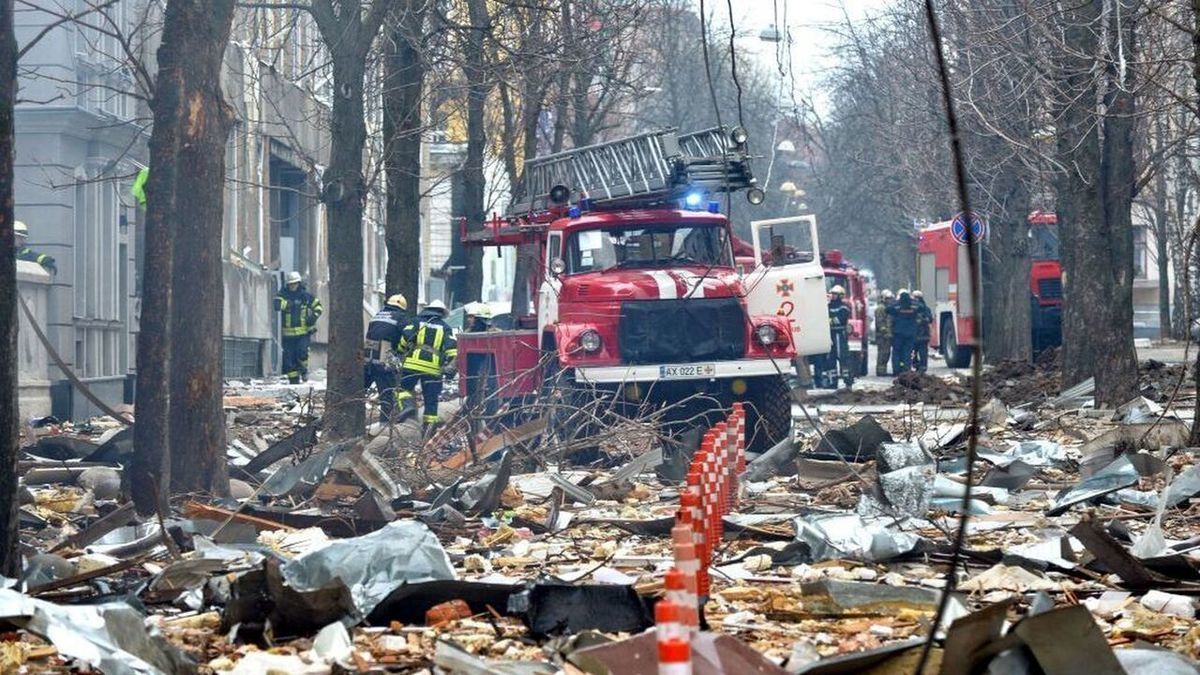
<point x="739" y="136"/>
<point x="756" y="196"/>
<point x="766" y="334"/>
<point x="589" y="340"/>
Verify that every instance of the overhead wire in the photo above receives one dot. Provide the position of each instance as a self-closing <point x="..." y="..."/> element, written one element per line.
<point x="960" y="177"/>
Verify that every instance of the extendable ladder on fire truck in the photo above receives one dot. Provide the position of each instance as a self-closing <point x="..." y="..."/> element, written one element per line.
<point x="644" y="169"/>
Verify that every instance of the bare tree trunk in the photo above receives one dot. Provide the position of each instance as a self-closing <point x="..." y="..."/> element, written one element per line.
<point x="10" y="419"/>
<point x="1194" y="438"/>
<point x="1095" y="217"/>
<point x="467" y="282"/>
<point x="1006" y="291"/>
<point x="404" y="80"/>
<point x="197" y="419"/>
<point x="562" y="103"/>
<point x="348" y="35"/>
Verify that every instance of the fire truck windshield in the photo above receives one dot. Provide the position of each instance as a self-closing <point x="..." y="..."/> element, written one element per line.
<point x="653" y="246"/>
<point x="1043" y="242"/>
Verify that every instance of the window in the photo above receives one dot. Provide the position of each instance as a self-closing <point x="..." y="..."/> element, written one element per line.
<point x="1141" y="253"/>
<point x="648" y="247"/>
<point x="1043" y="242"/>
<point x="98" y="270"/>
<point x="832" y="280"/>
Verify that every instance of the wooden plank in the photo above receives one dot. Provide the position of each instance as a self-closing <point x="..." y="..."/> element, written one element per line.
<point x="198" y="510"/>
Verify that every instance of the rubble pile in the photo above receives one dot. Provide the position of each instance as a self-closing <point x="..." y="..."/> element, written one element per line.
<point x="336" y="556"/>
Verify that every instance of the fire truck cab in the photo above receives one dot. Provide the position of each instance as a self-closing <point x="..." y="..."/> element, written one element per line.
<point x="635" y="294"/>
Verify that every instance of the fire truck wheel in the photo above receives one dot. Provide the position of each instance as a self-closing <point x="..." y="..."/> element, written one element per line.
<point x="769" y="414"/>
<point x="955" y="357"/>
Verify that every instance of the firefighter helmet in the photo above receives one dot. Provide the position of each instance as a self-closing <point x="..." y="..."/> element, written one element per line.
<point x="437" y="306"/>
<point x="398" y="300"/>
<point x="20" y="228"/>
<point x="837" y="290"/>
<point x="918" y="294"/>
<point x="293" y="278"/>
<point x="886" y="294"/>
<point x="902" y="292"/>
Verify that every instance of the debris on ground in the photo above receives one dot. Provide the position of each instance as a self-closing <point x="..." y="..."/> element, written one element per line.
<point x="492" y="554"/>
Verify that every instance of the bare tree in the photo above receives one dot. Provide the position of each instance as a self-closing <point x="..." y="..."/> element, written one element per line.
<point x="10" y="424"/>
<point x="195" y="35"/>
<point x="349" y="31"/>
<point x="403" y="124"/>
<point x="468" y="262"/>
<point x="1094" y="119"/>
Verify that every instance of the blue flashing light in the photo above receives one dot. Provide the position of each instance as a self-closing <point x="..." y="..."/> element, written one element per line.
<point x="714" y="206"/>
<point x="573" y="212"/>
<point x="694" y="199"/>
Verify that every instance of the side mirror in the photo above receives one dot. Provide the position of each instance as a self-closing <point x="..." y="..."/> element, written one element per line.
<point x="558" y="266"/>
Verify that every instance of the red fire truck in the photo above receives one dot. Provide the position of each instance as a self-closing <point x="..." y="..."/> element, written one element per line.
<point x="636" y="295"/>
<point x="942" y="274"/>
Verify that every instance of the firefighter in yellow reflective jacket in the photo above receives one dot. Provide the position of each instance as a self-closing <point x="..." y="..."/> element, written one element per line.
<point x="430" y="348"/>
<point x="299" y="311"/>
<point x="21" y="235"/>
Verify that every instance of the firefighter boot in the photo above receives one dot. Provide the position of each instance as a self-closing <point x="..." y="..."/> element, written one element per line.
<point x="429" y="426"/>
<point x="407" y="406"/>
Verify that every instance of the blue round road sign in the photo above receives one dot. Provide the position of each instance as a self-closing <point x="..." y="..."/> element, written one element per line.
<point x="958" y="228"/>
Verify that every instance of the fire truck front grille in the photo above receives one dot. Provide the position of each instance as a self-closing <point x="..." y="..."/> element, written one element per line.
<point x="681" y="331"/>
<point x="1050" y="289"/>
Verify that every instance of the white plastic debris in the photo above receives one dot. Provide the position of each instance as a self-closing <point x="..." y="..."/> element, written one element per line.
<point x="1169" y="603"/>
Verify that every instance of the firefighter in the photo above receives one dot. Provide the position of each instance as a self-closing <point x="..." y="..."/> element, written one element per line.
<point x="21" y="235"/>
<point x="381" y="351"/>
<point x="299" y="311"/>
<point x="883" y="332"/>
<point x="924" y="322"/>
<point x="839" y="321"/>
<point x="430" y="348"/>
<point x="478" y="318"/>
<point x="903" y="318"/>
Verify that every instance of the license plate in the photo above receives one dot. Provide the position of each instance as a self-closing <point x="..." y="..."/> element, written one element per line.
<point x="687" y="371"/>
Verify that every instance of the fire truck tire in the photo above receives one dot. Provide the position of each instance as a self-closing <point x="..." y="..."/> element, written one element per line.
<point x="955" y="357"/>
<point x="769" y="414"/>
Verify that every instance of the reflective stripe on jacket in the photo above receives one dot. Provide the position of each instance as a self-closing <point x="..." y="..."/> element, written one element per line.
<point x="430" y="344"/>
<point x="299" y="310"/>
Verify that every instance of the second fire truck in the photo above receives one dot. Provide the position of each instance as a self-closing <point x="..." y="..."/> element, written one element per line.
<point x="942" y="274"/>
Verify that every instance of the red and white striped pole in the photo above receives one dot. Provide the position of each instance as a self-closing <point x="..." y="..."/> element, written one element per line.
<point x="674" y="657"/>
<point x="677" y="592"/>
<point x="674" y="648"/>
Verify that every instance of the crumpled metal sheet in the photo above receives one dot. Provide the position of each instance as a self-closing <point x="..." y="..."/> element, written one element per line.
<point x="303" y="478"/>
<point x="373" y="565"/>
<point x="1185" y="486"/>
<point x="905" y="492"/>
<point x="895" y="456"/>
<point x="484" y="495"/>
<point x="111" y="637"/>
<point x="1033" y="453"/>
<point x="848" y="535"/>
<point x="1119" y="474"/>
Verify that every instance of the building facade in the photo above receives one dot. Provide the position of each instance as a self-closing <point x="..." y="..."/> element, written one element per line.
<point x="81" y="135"/>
